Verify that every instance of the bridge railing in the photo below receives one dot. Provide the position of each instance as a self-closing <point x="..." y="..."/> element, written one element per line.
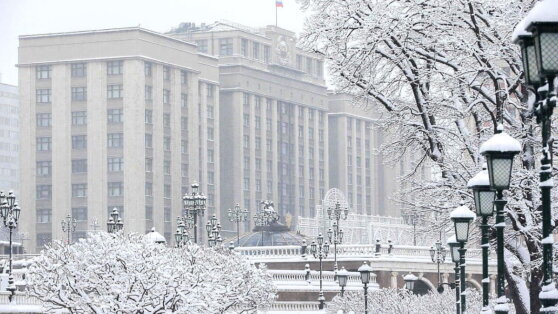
<point x="327" y="276"/>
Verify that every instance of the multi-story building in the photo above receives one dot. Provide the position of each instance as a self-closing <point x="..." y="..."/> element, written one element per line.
<point x="360" y="171"/>
<point x="9" y="138"/>
<point x="123" y="118"/>
<point x="273" y="117"/>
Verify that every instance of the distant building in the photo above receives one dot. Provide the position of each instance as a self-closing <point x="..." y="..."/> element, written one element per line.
<point x="124" y="118"/>
<point x="9" y="138"/>
<point x="273" y="116"/>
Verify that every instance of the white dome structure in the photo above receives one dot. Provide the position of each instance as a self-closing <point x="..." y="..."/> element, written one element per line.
<point x="155" y="237"/>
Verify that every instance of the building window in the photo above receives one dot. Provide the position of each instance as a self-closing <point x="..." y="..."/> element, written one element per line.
<point x="299" y="62"/>
<point x="44" y="215"/>
<point x="166" y="120"/>
<point x="148" y="213"/>
<point x="44" y="168"/>
<point x="246" y="120"/>
<point x="148" y="141"/>
<point x="148" y="164"/>
<point x="114" y="91"/>
<point x="210" y="134"/>
<point x="225" y="47"/>
<point x="115" y="116"/>
<point x="79" y="165"/>
<point x="210" y="177"/>
<point x="184" y="170"/>
<point x="166" y="96"/>
<point x="184" y="123"/>
<point x="43" y="96"/>
<point x="184" y="77"/>
<point x="167" y="191"/>
<point x="167" y="167"/>
<point x="115" y="67"/>
<point x="79" y="213"/>
<point x="43" y="144"/>
<point x="148" y="189"/>
<point x="148" y="93"/>
<point x="115" y="140"/>
<point x="246" y="184"/>
<point x="167" y="216"/>
<point x="210" y="156"/>
<point x="148" y="116"/>
<point x="79" y="70"/>
<point x="267" y="54"/>
<point x="244" y="47"/>
<point x="148" y="68"/>
<point x="79" y="190"/>
<point x="44" y="120"/>
<point x="43" y="72"/>
<point x="79" y="117"/>
<point x="319" y="68"/>
<point x="115" y="189"/>
<point x="184" y="147"/>
<point x="44" y="191"/>
<point x="309" y="63"/>
<point x="246" y="142"/>
<point x="79" y="141"/>
<point x="166" y="73"/>
<point x="256" y="50"/>
<point x="210" y="112"/>
<point x="258" y="122"/>
<point x="115" y="164"/>
<point x="79" y="93"/>
<point x="167" y="143"/>
<point x="246" y="99"/>
<point x="202" y="45"/>
<point x="184" y="100"/>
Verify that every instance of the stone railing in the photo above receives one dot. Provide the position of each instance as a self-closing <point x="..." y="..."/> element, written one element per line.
<point x="294" y="276"/>
<point x="294" y="307"/>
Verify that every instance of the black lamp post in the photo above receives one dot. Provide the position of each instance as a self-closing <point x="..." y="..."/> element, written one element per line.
<point x="342" y="277"/>
<point x="181" y="236"/>
<point x="335" y="235"/>
<point x="319" y="250"/>
<point x="194" y="206"/>
<point x="237" y="215"/>
<point x="462" y="218"/>
<point x="438" y="256"/>
<point x="413" y="218"/>
<point x="114" y="223"/>
<point x="537" y="36"/>
<point x="213" y="228"/>
<point x="365" y="270"/>
<point x="410" y="280"/>
<point x="484" y="205"/>
<point x="10" y="212"/>
<point x="499" y="152"/>
<point x="69" y="225"/>
<point x="454" y="252"/>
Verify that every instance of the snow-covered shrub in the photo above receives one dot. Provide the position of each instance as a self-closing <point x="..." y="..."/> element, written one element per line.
<point x="390" y="301"/>
<point x="109" y="273"/>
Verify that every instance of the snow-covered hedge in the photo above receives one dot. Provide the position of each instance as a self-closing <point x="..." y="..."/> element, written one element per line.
<point x="389" y="301"/>
<point x="109" y="273"/>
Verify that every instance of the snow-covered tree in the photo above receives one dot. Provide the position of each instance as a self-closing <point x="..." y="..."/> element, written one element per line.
<point x="116" y="273"/>
<point x="389" y="301"/>
<point x="442" y="74"/>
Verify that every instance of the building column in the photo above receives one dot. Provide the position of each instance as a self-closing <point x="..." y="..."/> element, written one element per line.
<point x="393" y="282"/>
<point x="492" y="286"/>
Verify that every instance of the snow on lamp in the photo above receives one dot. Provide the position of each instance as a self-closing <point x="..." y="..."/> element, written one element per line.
<point x="462" y="218"/>
<point x="342" y="276"/>
<point x="410" y="280"/>
<point x="454" y="249"/>
<point x="499" y="152"/>
<point x="542" y="22"/>
<point x="365" y="271"/>
<point x="482" y="193"/>
<point x="526" y="42"/>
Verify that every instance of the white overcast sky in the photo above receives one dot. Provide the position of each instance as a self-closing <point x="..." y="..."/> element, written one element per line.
<point x="21" y="17"/>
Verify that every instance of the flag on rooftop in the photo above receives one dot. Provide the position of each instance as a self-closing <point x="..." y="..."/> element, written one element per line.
<point x="279" y="3"/>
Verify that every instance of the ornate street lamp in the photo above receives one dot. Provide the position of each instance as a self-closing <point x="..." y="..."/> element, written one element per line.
<point x="410" y="280"/>
<point x="365" y="270"/>
<point x="484" y="205"/>
<point x="537" y="36"/>
<point x="335" y="235"/>
<point x="499" y="152"/>
<point x="213" y="228"/>
<point x="265" y="216"/>
<point x="237" y="215"/>
<point x="181" y="236"/>
<point x="194" y="206"/>
<point x="342" y="277"/>
<point x="319" y="250"/>
<point x="10" y="212"/>
<point x="412" y="219"/>
<point x="462" y="218"/>
<point x="438" y="256"/>
<point x="69" y="226"/>
<point x="114" y="223"/>
<point x="454" y="252"/>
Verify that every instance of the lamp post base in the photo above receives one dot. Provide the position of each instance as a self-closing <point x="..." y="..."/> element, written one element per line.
<point x="502" y="305"/>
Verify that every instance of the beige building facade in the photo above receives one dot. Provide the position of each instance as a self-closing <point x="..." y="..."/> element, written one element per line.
<point x="123" y="118"/>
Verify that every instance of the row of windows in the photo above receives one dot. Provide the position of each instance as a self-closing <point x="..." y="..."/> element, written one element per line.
<point x="114" y="140"/>
<point x="44" y="215"/>
<point x="114" y="164"/>
<point x="44" y="191"/>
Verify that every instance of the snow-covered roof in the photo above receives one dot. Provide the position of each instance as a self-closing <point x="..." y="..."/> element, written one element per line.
<point x="501" y="142"/>
<point x="155" y="236"/>
<point x="410" y="277"/>
<point x="462" y="212"/>
<point x="479" y="179"/>
<point x="543" y="11"/>
<point x="520" y="30"/>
